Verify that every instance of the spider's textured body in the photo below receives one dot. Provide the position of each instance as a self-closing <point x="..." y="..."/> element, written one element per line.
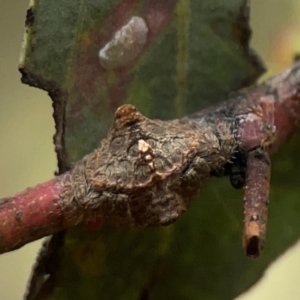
<point x="147" y="171"/>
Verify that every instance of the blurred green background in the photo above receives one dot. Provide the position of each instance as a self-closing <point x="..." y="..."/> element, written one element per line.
<point x="27" y="153"/>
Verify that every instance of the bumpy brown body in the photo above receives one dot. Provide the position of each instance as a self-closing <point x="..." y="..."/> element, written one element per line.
<point x="146" y="172"/>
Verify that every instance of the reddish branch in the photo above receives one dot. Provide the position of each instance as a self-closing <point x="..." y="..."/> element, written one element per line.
<point x="256" y="201"/>
<point x="146" y="172"/>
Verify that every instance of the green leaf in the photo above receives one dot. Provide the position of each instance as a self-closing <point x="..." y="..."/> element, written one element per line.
<point x="195" y="53"/>
<point x="184" y="56"/>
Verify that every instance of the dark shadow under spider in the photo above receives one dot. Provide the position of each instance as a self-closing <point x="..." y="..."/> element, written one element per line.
<point x="235" y="169"/>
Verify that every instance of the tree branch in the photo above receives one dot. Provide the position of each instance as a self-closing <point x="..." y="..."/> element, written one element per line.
<point x="146" y="172"/>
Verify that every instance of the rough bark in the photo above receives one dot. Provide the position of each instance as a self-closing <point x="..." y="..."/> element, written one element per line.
<point x="146" y="172"/>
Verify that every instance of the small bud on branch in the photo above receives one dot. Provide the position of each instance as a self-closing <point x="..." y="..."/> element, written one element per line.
<point x="146" y="172"/>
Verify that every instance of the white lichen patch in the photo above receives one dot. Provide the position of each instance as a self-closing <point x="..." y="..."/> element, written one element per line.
<point x="126" y="44"/>
<point x="146" y="153"/>
<point x="143" y="146"/>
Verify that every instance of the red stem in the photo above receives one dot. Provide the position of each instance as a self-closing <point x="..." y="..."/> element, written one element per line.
<point x="32" y="214"/>
<point x="256" y="201"/>
<point x="273" y="114"/>
<point x="268" y="114"/>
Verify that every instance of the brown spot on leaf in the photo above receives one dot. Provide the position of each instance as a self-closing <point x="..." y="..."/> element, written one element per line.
<point x="30" y="17"/>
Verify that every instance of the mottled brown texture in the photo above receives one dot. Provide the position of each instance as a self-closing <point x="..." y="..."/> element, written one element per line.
<point x="146" y="172"/>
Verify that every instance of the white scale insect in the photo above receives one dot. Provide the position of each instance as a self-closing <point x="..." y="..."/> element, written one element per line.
<point x="126" y="44"/>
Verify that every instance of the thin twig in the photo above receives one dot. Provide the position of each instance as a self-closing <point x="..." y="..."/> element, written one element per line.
<point x="256" y="202"/>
